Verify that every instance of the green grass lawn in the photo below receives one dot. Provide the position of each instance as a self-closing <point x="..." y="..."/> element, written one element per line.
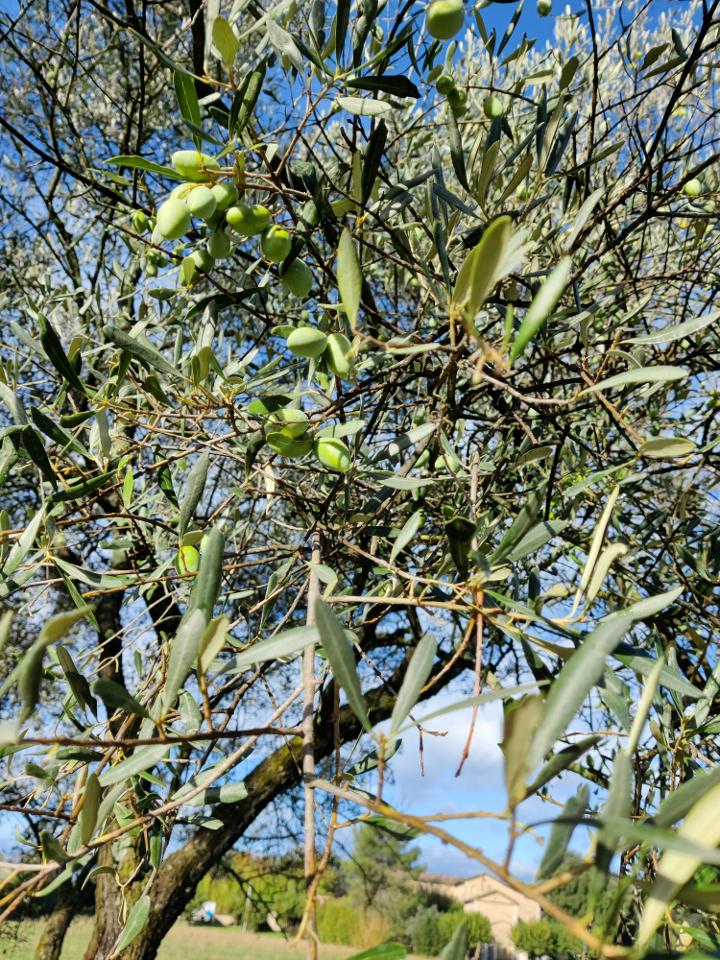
<point x="182" y="943"/>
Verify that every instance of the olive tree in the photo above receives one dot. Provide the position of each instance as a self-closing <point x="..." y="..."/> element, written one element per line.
<point x="354" y="352"/>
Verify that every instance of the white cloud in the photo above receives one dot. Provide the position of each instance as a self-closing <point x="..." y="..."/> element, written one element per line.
<point x="436" y="788"/>
<point x="480" y="787"/>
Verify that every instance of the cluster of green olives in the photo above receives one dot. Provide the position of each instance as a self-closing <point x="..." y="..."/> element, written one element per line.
<point x="154" y="259"/>
<point x="287" y="433"/>
<point x="334" y="348"/>
<point x="456" y="96"/>
<point x="206" y="197"/>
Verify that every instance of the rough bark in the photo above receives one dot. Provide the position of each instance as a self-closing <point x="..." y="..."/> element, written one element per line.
<point x="108" y="925"/>
<point x="51" y="940"/>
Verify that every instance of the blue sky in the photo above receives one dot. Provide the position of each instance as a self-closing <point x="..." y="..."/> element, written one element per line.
<point x="479" y="787"/>
<point x="497" y="15"/>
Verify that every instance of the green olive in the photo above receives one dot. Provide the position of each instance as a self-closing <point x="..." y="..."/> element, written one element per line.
<point x="225" y="194"/>
<point x="182" y="190"/>
<point x="339" y="355"/>
<point x="201" y="202"/>
<point x="275" y="243"/>
<point x="333" y="454"/>
<point x="289" y="421"/>
<point x="544" y="7"/>
<point x="457" y="99"/>
<point x="151" y="269"/>
<point x="202" y="260"/>
<point x="444" y="18"/>
<point x="218" y="245"/>
<point x="445" y="84"/>
<point x="297" y="278"/>
<point x="693" y="188"/>
<point x="193" y="165"/>
<point x="447" y="463"/>
<point x="173" y="219"/>
<point x="187" y="560"/>
<point x="140" y="221"/>
<point x="307" y="342"/>
<point x="289" y="446"/>
<point x="492" y="107"/>
<point x="248" y="220"/>
<point x="422" y="459"/>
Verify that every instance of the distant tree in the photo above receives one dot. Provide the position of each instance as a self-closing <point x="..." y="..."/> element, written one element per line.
<point x="250" y="888"/>
<point x="545" y="938"/>
<point x="381" y="874"/>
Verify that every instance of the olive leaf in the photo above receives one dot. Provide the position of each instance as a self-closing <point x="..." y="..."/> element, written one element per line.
<point x="665" y="374"/>
<point x="187" y="99"/>
<point x="479" y="272"/>
<point x="701" y="825"/>
<point x="285" y="644"/>
<point x="398" y="86"/>
<point x="78" y="684"/>
<point x="140" y="163"/>
<point x="194" y="488"/>
<point x="520" y="720"/>
<point x="30" y="669"/>
<point x="457" y="948"/>
<point x="417" y="673"/>
<point x="349" y="276"/>
<point x="544" y="302"/>
<point x="56" y="355"/>
<point x="90" y="806"/>
<point x="141" y="759"/>
<point x="184" y="650"/>
<point x="341" y="659"/>
<point x="585" y="668"/>
<point x="206" y="586"/>
<point x="406" y="534"/>
<point x="562" y="831"/>
<point x="136" y="922"/>
<point x="140" y="349"/>
<point x="225" y="41"/>
<point x="245" y="100"/>
<point x="115" y="697"/>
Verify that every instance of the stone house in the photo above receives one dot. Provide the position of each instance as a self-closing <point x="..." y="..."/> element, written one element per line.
<point x="502" y="905"/>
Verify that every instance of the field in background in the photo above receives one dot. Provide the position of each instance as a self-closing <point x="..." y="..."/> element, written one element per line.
<point x="183" y="941"/>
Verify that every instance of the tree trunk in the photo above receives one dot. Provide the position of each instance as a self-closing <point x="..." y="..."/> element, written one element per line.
<point x="49" y="946"/>
<point x="107" y="926"/>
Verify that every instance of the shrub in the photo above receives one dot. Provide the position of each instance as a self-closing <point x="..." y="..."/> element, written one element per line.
<point x="339" y="922"/>
<point x="545" y="938"/>
<point x="424" y="931"/>
<point x="430" y="930"/>
<point x="225" y="891"/>
<point x="479" y="930"/>
<point x="249" y="890"/>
